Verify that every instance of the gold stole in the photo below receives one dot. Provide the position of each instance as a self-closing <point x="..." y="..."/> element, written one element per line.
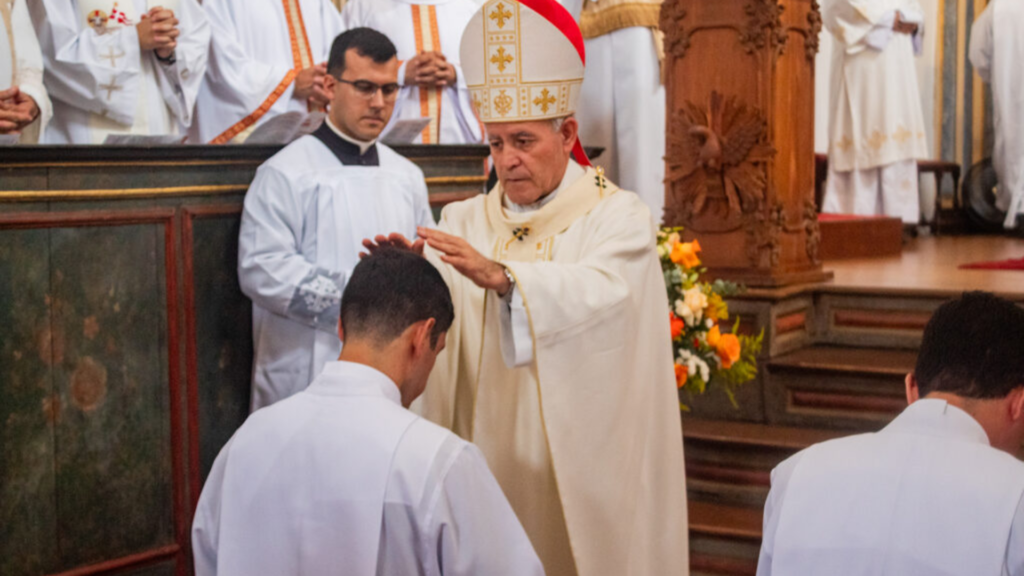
<point x="533" y="239"/>
<point x="428" y="39"/>
<point x="302" y="57"/>
<point x="6" y="6"/>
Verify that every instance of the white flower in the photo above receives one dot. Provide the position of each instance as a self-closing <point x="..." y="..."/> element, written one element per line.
<point x="693" y="305"/>
<point x="709" y="323"/>
<point x="662" y="251"/>
<point x="694" y="364"/>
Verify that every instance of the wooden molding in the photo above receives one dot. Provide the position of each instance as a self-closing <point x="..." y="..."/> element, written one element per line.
<point x="887" y="319"/>
<point x="150" y="556"/>
<point x="120" y="194"/>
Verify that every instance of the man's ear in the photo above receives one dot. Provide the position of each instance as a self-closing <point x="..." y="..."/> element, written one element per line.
<point x="569" y="131"/>
<point x="1017" y="404"/>
<point x="330" y="85"/>
<point x="421" y="336"/>
<point x="913" y="392"/>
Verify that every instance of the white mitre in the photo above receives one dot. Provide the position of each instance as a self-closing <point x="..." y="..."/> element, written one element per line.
<point x="523" y="60"/>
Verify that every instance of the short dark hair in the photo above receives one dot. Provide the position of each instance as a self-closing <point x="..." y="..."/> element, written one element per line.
<point x="973" y="347"/>
<point x="366" y="42"/>
<point x="391" y="290"/>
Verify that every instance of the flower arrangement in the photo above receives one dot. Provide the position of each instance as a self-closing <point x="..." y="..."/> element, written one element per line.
<point x="705" y="355"/>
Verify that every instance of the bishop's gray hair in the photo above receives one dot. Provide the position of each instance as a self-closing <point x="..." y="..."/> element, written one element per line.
<point x="556" y="123"/>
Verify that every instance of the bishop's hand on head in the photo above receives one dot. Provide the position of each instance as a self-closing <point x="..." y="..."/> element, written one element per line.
<point x="394" y="240"/>
<point x="459" y="254"/>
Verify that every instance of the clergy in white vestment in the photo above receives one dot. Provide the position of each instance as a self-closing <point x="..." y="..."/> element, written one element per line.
<point x="622" y="104"/>
<point x="559" y="366"/>
<point x="342" y="479"/>
<point x="266" y="59"/>
<point x="308" y="209"/>
<point x="427" y="34"/>
<point x="936" y="492"/>
<point x="997" y="53"/>
<point x="25" y="108"/>
<point x="131" y="67"/>
<point x="876" y="126"/>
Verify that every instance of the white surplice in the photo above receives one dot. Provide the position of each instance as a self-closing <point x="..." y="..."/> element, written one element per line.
<point x="579" y="423"/>
<point x="340" y="479"/>
<point x="253" y="61"/>
<point x="306" y="215"/>
<point x="102" y="83"/>
<point x="926" y="496"/>
<point x="397" y="19"/>
<point x="875" y="110"/>
<point x="21" y="49"/>
<point x="622" y="109"/>
<point x="997" y="53"/>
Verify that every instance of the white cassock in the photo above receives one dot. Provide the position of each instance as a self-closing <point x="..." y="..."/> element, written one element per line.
<point x="415" y="27"/>
<point x="340" y="479"/>
<point x="622" y="101"/>
<point x="997" y="53"/>
<point x="21" y="64"/>
<point x="926" y="496"/>
<point x="101" y="81"/>
<point x="258" y="47"/>
<point x="876" y="126"/>
<point x="306" y="214"/>
<point x="568" y="389"/>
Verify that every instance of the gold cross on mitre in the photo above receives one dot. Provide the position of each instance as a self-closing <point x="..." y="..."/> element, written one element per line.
<point x="110" y="55"/>
<point x="500" y="15"/>
<point x="502" y="59"/>
<point x="545" y="100"/>
<point x="110" y="88"/>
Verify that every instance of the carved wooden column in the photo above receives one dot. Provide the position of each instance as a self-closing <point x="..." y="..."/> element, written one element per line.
<point x="740" y="154"/>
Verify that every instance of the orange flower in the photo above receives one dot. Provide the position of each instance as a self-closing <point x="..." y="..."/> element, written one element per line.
<point x="685" y="253"/>
<point x="727" y="346"/>
<point x="713" y="337"/>
<point x="681" y="375"/>
<point x="677" y="325"/>
<point x="728" y="350"/>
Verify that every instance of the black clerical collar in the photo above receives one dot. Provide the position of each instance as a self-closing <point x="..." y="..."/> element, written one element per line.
<point x="347" y="152"/>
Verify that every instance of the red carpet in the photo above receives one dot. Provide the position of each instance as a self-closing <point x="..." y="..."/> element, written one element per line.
<point x="1011" y="264"/>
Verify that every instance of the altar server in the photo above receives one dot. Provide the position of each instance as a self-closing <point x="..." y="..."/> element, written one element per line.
<point x="558" y="366"/>
<point x="622" y="104"/>
<point x="427" y="34"/>
<point x="997" y="51"/>
<point x="876" y="127"/>
<point x="267" y="58"/>
<point x="937" y="491"/>
<point x="342" y="479"/>
<point x="127" y="67"/>
<point x="310" y="206"/>
<point x="25" y="107"/>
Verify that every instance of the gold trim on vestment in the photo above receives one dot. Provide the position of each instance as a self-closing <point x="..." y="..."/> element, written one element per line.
<point x="598" y="22"/>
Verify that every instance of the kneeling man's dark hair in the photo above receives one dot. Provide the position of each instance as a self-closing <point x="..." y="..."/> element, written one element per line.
<point x="392" y="290"/>
<point x="973" y="347"/>
<point x="366" y="42"/>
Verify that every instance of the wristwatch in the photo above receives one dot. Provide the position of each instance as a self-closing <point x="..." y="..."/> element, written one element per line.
<point x="511" y="281"/>
<point x="168" y="61"/>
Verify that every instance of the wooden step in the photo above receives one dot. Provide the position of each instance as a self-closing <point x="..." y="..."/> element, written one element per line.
<point x="850" y="360"/>
<point x="752" y="434"/>
<point x="732" y="522"/>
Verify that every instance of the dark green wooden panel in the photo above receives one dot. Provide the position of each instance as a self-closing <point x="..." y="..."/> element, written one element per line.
<point x="114" y="485"/>
<point x="28" y="514"/>
<point x="223" y="318"/>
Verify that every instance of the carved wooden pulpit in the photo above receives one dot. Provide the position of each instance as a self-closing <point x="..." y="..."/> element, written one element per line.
<point x="740" y="148"/>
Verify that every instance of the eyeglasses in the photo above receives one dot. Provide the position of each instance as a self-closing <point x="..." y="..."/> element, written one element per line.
<point x="368" y="89"/>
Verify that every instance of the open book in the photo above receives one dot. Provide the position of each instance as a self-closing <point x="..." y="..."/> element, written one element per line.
<point x="286" y="128"/>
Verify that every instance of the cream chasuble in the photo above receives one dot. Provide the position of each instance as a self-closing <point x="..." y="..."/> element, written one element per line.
<point x="585" y="440"/>
<point x="415" y="27"/>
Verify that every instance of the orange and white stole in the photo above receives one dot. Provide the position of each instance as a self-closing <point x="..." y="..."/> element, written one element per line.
<point x="302" y="57"/>
<point x="428" y="39"/>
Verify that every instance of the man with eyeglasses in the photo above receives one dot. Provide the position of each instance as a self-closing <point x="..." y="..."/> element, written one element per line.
<point x="309" y="208"/>
<point x="426" y="34"/>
